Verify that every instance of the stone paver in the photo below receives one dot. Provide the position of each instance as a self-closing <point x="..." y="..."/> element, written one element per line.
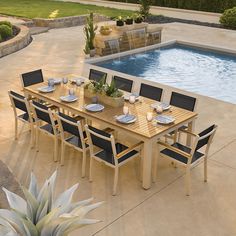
<point x="163" y="210"/>
<point x="171" y="12"/>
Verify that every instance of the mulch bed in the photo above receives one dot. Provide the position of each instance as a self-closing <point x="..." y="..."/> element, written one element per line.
<point x="164" y="19"/>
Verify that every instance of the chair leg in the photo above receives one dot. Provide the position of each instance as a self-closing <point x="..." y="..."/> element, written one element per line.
<point x="187" y="181"/>
<point x="84" y="164"/>
<point x="205" y="169"/>
<point x="32" y="135"/>
<point x="62" y="153"/>
<point x="55" y="149"/>
<point x="115" y="180"/>
<point x="91" y="170"/>
<point x="16" y="128"/>
<point x="37" y="140"/>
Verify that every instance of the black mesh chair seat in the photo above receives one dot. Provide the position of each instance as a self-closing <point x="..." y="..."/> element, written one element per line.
<point x="97" y="75"/>
<point x="24" y="116"/>
<point x="108" y="156"/>
<point x="178" y="156"/>
<point x="48" y="128"/>
<point x="150" y="92"/>
<point x="123" y="84"/>
<point x="76" y="141"/>
<point x="32" y="77"/>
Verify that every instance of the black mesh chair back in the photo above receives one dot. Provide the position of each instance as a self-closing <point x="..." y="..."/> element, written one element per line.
<point x="98" y="141"/>
<point x="151" y="92"/>
<point x="205" y="136"/>
<point x="183" y="101"/>
<point x="42" y="112"/>
<point x="31" y="78"/>
<point x="18" y="101"/>
<point x="67" y="126"/>
<point x="97" y="75"/>
<point x="123" y="84"/>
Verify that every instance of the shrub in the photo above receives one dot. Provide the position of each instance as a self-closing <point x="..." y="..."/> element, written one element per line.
<point x="6" y="23"/>
<point x="145" y="7"/>
<point x="5" y="31"/>
<point x="228" y="18"/>
<point x="0" y="38"/>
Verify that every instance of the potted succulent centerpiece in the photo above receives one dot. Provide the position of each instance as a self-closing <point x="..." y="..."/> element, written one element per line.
<point x="107" y="94"/>
<point x="138" y="18"/>
<point x="119" y="21"/>
<point x="90" y="32"/>
<point x="105" y="30"/>
<point x="42" y="213"/>
<point x="129" y="20"/>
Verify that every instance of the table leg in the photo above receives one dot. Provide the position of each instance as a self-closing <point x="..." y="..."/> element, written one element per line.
<point x="147" y="164"/>
<point x="155" y="157"/>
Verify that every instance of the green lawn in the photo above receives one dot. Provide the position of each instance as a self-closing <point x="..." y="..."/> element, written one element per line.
<point x="50" y="8"/>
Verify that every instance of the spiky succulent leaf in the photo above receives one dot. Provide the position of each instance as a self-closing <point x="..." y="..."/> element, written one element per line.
<point x="15" y="201"/>
<point x="33" y="186"/>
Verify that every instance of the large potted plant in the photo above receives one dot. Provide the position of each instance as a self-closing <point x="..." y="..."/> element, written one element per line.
<point x="107" y="94"/>
<point x="41" y="213"/>
<point x="90" y="33"/>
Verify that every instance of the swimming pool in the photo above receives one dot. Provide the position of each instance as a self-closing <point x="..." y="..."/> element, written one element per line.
<point x="192" y="69"/>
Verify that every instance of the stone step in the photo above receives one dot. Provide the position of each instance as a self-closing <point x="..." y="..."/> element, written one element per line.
<point x="38" y="30"/>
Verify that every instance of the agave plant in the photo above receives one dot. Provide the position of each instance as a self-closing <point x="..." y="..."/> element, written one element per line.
<point x="43" y="214"/>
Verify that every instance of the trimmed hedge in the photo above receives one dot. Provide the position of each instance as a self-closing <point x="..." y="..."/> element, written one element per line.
<point x="5" y="31"/>
<point x="8" y="23"/>
<point x="199" y="5"/>
<point x="228" y="18"/>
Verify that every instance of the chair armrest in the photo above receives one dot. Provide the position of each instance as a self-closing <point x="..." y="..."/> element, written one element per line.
<point x="128" y="150"/>
<point x="174" y="149"/>
<point x="187" y="132"/>
<point x="108" y="130"/>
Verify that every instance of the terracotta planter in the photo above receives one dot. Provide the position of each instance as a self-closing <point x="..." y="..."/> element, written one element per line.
<point x="110" y="101"/>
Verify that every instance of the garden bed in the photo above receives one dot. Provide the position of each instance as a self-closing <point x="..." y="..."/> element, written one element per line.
<point x="164" y="19"/>
<point x="15" y="31"/>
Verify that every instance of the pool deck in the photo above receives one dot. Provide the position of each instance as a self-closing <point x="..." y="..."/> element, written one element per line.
<point x="162" y="210"/>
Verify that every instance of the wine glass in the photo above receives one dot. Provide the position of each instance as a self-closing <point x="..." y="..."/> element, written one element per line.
<point x="159" y="109"/>
<point x="126" y="110"/>
<point x="149" y="116"/>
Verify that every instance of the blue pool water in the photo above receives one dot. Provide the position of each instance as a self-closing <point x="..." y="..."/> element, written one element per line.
<point x="203" y="72"/>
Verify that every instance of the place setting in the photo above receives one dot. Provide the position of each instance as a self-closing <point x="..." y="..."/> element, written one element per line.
<point x="70" y="97"/>
<point x="49" y="88"/>
<point x="132" y="98"/>
<point x="94" y="106"/>
<point x="126" y="117"/>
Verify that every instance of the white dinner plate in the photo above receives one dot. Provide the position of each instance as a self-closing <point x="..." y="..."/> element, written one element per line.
<point x="46" y="89"/>
<point x="69" y="98"/>
<point x="126" y="119"/>
<point x="162" y="119"/>
<point x="94" y="107"/>
<point x="164" y="106"/>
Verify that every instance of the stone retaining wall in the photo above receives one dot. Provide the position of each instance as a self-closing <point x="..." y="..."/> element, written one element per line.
<point x="66" y="21"/>
<point x="21" y="40"/>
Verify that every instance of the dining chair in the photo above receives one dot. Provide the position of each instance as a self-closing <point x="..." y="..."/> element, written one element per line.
<point x="31" y="78"/>
<point x="122" y="83"/>
<point x="113" y="154"/>
<point x="190" y="156"/>
<point x="97" y="75"/>
<point x="182" y="101"/>
<point x="20" y="103"/>
<point x="72" y="135"/>
<point x="46" y="123"/>
<point x="151" y="92"/>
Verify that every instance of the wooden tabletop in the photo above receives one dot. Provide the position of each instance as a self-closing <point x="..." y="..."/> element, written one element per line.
<point x="141" y="127"/>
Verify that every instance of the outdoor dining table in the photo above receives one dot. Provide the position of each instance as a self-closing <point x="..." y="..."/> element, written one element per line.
<point x="141" y="129"/>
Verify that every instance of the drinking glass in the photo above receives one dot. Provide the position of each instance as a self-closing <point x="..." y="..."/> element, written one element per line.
<point x="132" y="99"/>
<point x="126" y="110"/>
<point x="149" y="116"/>
<point x="51" y="83"/>
<point x="78" y="82"/>
<point x="71" y="92"/>
<point x="159" y="109"/>
<point x="94" y="99"/>
<point x="65" y="81"/>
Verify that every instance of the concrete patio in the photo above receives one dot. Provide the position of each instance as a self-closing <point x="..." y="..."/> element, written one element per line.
<point x="163" y="210"/>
